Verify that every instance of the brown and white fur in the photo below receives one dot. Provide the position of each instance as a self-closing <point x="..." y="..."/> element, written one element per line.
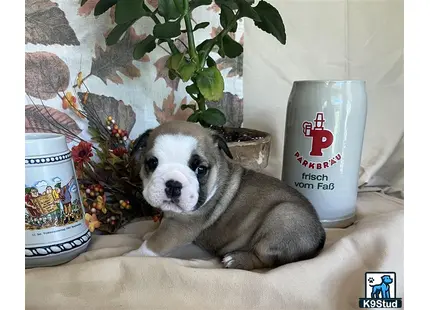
<point x="248" y="219"/>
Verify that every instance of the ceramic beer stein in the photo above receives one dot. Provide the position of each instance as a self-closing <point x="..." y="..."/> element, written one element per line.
<point x="55" y="230"/>
<point x="323" y="143"/>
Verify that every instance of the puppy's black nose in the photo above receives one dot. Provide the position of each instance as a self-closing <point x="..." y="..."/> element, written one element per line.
<point x="173" y="189"/>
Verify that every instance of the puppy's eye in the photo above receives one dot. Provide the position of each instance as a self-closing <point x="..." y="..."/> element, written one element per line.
<point x="197" y="166"/>
<point x="151" y="163"/>
<point x="201" y="171"/>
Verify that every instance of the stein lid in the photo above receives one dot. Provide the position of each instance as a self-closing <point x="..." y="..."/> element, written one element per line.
<point x="40" y="144"/>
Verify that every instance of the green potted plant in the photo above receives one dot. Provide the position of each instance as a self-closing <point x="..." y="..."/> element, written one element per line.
<point x="195" y="66"/>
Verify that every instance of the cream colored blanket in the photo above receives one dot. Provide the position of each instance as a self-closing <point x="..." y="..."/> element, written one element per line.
<point x="101" y="279"/>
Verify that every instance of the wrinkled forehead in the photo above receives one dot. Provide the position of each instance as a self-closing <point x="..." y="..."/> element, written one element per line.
<point x="175" y="148"/>
<point x="177" y="141"/>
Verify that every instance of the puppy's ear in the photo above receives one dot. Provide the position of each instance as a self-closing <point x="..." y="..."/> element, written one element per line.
<point x="222" y="144"/>
<point x="140" y="143"/>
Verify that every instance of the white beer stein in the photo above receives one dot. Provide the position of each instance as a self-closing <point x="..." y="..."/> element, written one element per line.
<point x="55" y="230"/>
<point x="323" y="142"/>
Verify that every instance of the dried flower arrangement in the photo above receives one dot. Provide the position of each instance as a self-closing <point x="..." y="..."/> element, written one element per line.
<point x="107" y="167"/>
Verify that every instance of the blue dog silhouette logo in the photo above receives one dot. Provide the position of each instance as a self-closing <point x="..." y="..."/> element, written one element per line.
<point x="381" y="290"/>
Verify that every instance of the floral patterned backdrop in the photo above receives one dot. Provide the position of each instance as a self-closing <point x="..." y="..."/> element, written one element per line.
<point x="67" y="63"/>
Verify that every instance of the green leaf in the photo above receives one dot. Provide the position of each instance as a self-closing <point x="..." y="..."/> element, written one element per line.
<point x="113" y="160"/>
<point x="210" y="62"/>
<point x="232" y="4"/>
<point x="213" y="117"/>
<point x="201" y="26"/>
<point x="116" y="33"/>
<point x="103" y="5"/>
<point x="192" y="89"/>
<point x="197" y="27"/>
<point x="188" y="106"/>
<point x="229" y="3"/>
<point x="194" y="118"/>
<point x="167" y="30"/>
<point x="210" y="83"/>
<point x="187" y="70"/>
<point x="183" y="67"/>
<point x="231" y="48"/>
<point x="227" y="17"/>
<point x="202" y="45"/>
<point x="100" y="155"/>
<point x="127" y="10"/>
<point x="174" y="61"/>
<point x="221" y="47"/>
<point x="271" y="21"/>
<point x="196" y="3"/>
<point x="83" y="2"/>
<point x="160" y="41"/>
<point x="168" y="9"/>
<point x="204" y="124"/>
<point x="94" y="133"/>
<point x="172" y="75"/>
<point x="246" y="10"/>
<point x="147" y="45"/>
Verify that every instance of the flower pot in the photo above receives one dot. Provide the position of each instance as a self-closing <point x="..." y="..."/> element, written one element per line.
<point x="55" y="230"/>
<point x="249" y="147"/>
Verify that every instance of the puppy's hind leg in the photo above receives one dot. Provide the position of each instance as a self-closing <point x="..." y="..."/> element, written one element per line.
<point x="288" y="234"/>
<point x="242" y="260"/>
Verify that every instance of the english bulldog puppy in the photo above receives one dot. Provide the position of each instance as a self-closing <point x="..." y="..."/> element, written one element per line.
<point x="247" y="219"/>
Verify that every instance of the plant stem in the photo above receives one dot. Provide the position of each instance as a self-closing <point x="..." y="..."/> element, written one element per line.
<point x="217" y="37"/>
<point x="153" y="16"/>
<point x="201" y="103"/>
<point x="187" y="18"/>
<point x="183" y="43"/>
<point x="165" y="50"/>
<point x="156" y="20"/>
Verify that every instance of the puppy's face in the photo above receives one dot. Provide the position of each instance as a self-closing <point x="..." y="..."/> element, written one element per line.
<point x="179" y="170"/>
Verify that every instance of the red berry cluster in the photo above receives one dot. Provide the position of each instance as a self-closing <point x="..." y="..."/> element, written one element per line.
<point x="95" y="202"/>
<point x="119" y="151"/>
<point x="115" y="131"/>
<point x="91" y="201"/>
<point x="111" y="220"/>
<point x="124" y="204"/>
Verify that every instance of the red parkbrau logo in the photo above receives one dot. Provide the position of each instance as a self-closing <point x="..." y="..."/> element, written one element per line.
<point x="321" y="138"/>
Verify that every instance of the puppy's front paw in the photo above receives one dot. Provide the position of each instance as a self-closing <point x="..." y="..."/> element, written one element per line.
<point x="134" y="253"/>
<point x="142" y="251"/>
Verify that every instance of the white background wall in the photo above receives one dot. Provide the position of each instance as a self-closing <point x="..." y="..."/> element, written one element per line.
<point x="331" y="39"/>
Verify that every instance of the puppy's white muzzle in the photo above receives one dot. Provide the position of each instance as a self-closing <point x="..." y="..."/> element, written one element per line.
<point x="155" y="188"/>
